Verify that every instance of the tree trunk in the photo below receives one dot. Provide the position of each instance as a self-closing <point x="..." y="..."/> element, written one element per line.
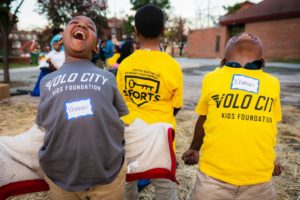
<point x="172" y="49"/>
<point x="180" y="51"/>
<point x="5" y="44"/>
<point x="166" y="46"/>
<point x="5" y="60"/>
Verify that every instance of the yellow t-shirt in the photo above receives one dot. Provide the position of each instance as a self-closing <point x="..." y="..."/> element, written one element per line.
<point x="111" y="61"/>
<point x="151" y="83"/>
<point x="242" y="108"/>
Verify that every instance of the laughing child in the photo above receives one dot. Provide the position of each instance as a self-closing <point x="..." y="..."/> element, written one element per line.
<point x="80" y="109"/>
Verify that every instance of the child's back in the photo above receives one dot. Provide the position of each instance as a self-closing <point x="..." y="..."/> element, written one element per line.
<point x="236" y="129"/>
<point x="151" y="84"/>
<point x="241" y="121"/>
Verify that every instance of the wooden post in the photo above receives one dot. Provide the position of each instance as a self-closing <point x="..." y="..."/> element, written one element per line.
<point x="4" y="91"/>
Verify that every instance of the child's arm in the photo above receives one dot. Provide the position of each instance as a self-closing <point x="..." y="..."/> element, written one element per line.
<point x="191" y="156"/>
<point x="175" y="111"/>
<point x="52" y="67"/>
<point x="278" y="168"/>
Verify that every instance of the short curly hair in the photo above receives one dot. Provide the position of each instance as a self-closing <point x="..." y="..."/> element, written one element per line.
<point x="149" y="21"/>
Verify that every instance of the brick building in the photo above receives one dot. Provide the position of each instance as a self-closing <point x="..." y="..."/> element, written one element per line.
<point x="21" y="41"/>
<point x="115" y="27"/>
<point x="276" y="22"/>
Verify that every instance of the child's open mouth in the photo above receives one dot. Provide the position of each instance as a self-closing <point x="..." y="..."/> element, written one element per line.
<point x="79" y="35"/>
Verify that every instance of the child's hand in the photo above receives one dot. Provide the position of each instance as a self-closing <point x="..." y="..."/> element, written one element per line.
<point x="278" y="168"/>
<point x="52" y="66"/>
<point x="190" y="157"/>
<point x="60" y="42"/>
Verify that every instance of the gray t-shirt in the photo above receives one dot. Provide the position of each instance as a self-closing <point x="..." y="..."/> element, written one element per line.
<point x="80" y="109"/>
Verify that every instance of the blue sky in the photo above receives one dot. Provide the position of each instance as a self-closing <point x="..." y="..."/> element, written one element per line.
<point x="194" y="10"/>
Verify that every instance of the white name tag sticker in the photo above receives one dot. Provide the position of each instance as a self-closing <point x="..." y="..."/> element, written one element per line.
<point x="78" y="109"/>
<point x="246" y="83"/>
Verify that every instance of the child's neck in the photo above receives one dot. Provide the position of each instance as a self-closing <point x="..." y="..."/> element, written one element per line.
<point x="242" y="60"/>
<point x="73" y="59"/>
<point x="149" y="43"/>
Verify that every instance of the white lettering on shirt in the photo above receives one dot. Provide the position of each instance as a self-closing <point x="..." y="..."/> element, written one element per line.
<point x="71" y="78"/>
<point x="84" y="77"/>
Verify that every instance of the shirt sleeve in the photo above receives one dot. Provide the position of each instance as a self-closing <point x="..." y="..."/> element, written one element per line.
<point x="202" y="106"/>
<point x="277" y="106"/>
<point x="177" y="100"/>
<point x="38" y="119"/>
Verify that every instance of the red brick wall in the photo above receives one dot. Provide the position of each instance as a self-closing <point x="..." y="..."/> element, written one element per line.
<point x="202" y="42"/>
<point x="280" y="38"/>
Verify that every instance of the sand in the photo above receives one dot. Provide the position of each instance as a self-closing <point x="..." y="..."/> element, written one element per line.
<point x="18" y="115"/>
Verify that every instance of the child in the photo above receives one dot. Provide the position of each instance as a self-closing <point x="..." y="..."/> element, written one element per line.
<point x="126" y="50"/>
<point x="83" y="151"/>
<point x="128" y="47"/>
<point x="56" y="57"/>
<point x="151" y="82"/>
<point x="52" y="61"/>
<point x="236" y="129"/>
<point x="106" y="48"/>
<point x="112" y="60"/>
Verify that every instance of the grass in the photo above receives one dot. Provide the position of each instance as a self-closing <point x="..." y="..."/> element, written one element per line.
<point x="17" y="65"/>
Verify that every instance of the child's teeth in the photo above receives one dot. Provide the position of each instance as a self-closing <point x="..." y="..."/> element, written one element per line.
<point x="80" y="32"/>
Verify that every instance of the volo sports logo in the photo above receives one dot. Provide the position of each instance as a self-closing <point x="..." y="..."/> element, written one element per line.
<point x="217" y="100"/>
<point x="141" y="90"/>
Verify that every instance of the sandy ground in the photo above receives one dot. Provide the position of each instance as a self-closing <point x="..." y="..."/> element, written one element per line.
<point x="18" y="114"/>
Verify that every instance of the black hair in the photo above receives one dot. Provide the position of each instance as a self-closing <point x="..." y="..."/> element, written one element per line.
<point x="55" y="31"/>
<point x="126" y="50"/>
<point x="149" y="21"/>
<point x="117" y="48"/>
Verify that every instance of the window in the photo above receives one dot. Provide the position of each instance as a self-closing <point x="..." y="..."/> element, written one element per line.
<point x="235" y="29"/>
<point x="217" y="47"/>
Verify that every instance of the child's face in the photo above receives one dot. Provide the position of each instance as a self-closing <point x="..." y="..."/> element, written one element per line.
<point x="80" y="38"/>
<point x="57" y="45"/>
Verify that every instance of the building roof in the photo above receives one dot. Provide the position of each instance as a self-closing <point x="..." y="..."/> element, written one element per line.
<point x="264" y="11"/>
<point x="114" y="23"/>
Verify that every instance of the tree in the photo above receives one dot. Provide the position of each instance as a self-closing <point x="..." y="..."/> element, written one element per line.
<point x="60" y="12"/>
<point x="233" y="9"/>
<point x="176" y="33"/>
<point x="128" y="27"/>
<point x="43" y="38"/>
<point x="8" y="19"/>
<point x="163" y="4"/>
